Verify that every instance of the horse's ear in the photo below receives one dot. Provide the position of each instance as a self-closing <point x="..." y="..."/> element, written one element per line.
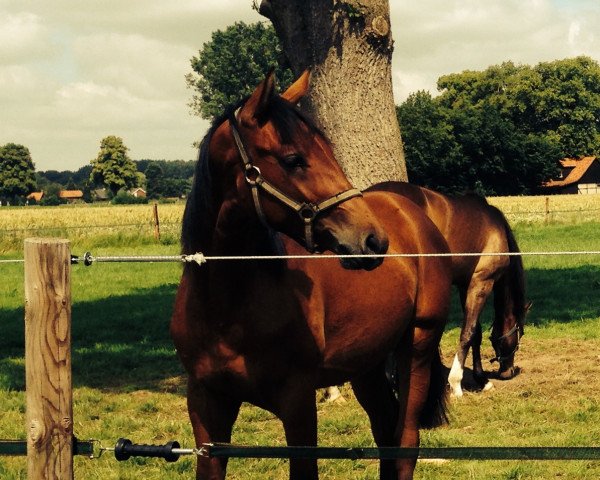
<point x="298" y="89"/>
<point x="256" y="105"/>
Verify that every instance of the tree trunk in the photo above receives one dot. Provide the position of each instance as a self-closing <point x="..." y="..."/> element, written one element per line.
<point x="348" y="47"/>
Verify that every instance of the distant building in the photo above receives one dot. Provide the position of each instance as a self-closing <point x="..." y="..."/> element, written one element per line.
<point x="576" y="176"/>
<point x="138" y="192"/>
<point x="35" y="196"/>
<point x="71" y="196"/>
<point x="100" y="195"/>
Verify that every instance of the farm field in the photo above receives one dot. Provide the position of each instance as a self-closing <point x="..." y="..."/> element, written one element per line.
<point x="128" y="382"/>
<point x="100" y="225"/>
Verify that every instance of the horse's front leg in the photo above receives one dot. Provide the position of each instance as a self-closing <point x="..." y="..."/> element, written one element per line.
<point x="422" y="392"/>
<point x="212" y="415"/>
<point x="296" y="406"/>
<point x="473" y="300"/>
<point x="374" y="393"/>
<point x="478" y="372"/>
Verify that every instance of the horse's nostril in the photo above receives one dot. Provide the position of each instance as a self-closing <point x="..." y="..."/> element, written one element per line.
<point x="375" y="244"/>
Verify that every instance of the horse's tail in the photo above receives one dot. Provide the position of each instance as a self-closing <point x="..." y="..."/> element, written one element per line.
<point x="513" y="282"/>
<point x="435" y="411"/>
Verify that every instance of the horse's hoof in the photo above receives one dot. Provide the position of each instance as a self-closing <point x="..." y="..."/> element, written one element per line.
<point x="456" y="392"/>
<point x="510" y="373"/>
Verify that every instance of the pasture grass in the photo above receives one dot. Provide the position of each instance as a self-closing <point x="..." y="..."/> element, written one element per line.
<point x="128" y="381"/>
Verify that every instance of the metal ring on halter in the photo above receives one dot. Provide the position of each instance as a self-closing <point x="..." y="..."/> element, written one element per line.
<point x="308" y="212"/>
<point x="248" y="174"/>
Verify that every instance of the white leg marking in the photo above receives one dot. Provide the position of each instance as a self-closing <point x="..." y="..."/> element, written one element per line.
<point x="488" y="386"/>
<point x="333" y="393"/>
<point x="455" y="378"/>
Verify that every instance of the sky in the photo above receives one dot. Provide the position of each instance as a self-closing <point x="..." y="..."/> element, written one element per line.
<point x="73" y="72"/>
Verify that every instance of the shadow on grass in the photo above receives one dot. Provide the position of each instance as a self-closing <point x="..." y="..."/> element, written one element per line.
<point x="118" y="342"/>
<point x="563" y="295"/>
<point x="558" y="296"/>
<point x="123" y="342"/>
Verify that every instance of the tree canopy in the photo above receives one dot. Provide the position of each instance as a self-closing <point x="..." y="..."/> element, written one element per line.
<point x="502" y="130"/>
<point x="17" y="171"/>
<point x="231" y="64"/>
<point x="113" y="167"/>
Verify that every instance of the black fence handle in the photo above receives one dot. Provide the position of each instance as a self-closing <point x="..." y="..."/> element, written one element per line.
<point x="125" y="449"/>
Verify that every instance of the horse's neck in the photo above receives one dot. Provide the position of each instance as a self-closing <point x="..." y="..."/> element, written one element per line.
<point x="504" y="306"/>
<point x="238" y="234"/>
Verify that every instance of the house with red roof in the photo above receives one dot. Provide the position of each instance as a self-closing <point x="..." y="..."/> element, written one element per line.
<point x="35" y="196"/>
<point x="71" y="196"/>
<point x="576" y="176"/>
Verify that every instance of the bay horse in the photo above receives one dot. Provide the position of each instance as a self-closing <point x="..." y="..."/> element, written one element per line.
<point x="470" y="224"/>
<point x="270" y="332"/>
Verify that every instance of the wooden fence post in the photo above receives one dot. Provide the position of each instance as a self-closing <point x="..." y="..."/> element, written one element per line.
<point x="48" y="359"/>
<point x="156" y="222"/>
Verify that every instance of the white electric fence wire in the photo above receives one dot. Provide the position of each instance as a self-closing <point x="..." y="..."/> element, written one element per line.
<point x="200" y="258"/>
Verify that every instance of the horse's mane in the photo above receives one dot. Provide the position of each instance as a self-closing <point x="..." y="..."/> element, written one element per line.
<point x="516" y="271"/>
<point x="199" y="217"/>
<point x="198" y="214"/>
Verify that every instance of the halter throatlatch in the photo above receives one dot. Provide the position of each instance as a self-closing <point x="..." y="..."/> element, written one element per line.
<point x="307" y="212"/>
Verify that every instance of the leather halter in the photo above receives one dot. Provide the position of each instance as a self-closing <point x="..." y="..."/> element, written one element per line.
<point x="499" y="358"/>
<point x="307" y="211"/>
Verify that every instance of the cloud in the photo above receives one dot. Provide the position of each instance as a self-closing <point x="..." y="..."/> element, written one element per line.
<point x="435" y="37"/>
<point x="73" y="71"/>
<point x="22" y="35"/>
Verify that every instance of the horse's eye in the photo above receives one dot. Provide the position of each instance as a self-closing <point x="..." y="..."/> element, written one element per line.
<point x="293" y="161"/>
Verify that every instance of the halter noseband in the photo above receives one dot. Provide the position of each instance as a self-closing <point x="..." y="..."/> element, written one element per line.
<point x="307" y="212"/>
<point x="499" y="358"/>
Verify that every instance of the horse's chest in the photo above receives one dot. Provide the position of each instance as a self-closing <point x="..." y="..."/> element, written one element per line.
<point x="249" y="340"/>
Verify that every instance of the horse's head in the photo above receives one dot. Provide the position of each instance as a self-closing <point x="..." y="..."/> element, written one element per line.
<point x="282" y="170"/>
<point x="506" y="337"/>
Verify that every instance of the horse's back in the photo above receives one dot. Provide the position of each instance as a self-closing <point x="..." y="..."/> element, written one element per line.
<point x="468" y="223"/>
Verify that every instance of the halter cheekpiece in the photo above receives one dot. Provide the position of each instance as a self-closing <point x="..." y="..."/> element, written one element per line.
<point x="307" y="211"/>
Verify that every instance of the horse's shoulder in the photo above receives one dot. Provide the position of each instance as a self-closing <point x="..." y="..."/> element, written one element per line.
<point x="406" y="221"/>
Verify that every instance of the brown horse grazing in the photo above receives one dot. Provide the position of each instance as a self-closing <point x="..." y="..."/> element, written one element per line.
<point x="470" y="224"/>
<point x="270" y="332"/>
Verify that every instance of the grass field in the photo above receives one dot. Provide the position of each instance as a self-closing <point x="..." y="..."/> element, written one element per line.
<point x="128" y="382"/>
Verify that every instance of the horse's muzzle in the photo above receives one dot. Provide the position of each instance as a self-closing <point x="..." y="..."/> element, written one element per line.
<point x="359" y="258"/>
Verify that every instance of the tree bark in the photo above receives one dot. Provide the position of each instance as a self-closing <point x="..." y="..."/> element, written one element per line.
<point x="348" y="47"/>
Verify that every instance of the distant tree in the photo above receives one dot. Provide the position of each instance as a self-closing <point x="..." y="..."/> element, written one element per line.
<point x="558" y="100"/>
<point x="71" y="184"/>
<point x="140" y="179"/>
<point x="230" y="65"/>
<point x="79" y="179"/>
<point x="154" y="181"/>
<point x="174" y="180"/>
<point x="502" y="130"/>
<point x="497" y="157"/>
<point x="82" y="176"/>
<point x="53" y="176"/>
<point x="176" y="187"/>
<point x="51" y="195"/>
<point x="113" y="167"/>
<point x="433" y="157"/>
<point x="17" y="171"/>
